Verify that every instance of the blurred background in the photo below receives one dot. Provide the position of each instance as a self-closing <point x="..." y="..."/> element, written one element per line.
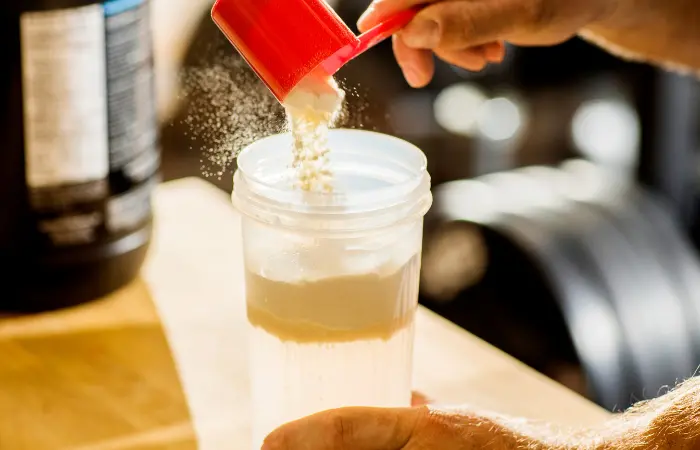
<point x="565" y="224"/>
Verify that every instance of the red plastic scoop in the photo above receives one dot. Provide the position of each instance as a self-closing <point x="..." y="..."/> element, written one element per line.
<point x="286" y="40"/>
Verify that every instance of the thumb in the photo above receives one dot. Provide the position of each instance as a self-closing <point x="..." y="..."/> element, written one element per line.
<point x="356" y="428"/>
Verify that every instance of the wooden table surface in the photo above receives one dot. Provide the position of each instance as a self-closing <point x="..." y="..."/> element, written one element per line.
<point x="161" y="364"/>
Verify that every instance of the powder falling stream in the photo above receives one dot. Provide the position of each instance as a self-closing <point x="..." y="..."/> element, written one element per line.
<point x="228" y="108"/>
<point x="312" y="109"/>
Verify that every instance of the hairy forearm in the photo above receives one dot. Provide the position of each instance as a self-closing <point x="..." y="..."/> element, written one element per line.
<point x="664" y="32"/>
<point x="670" y="422"/>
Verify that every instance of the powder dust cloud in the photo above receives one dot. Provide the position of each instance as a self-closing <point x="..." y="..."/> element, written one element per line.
<point x="228" y="108"/>
<point x="355" y="112"/>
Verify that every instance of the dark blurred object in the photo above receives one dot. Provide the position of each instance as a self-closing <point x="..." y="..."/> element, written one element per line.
<point x="80" y="157"/>
<point x="669" y="157"/>
<point x="541" y="106"/>
<point x="579" y="267"/>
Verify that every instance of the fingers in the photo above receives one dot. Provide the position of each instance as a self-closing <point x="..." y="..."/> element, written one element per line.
<point x="474" y="58"/>
<point x="460" y="24"/>
<point x="471" y="59"/>
<point x="417" y="65"/>
<point x="495" y="52"/>
<point x="380" y="9"/>
<point x="351" y="428"/>
<point x="464" y="33"/>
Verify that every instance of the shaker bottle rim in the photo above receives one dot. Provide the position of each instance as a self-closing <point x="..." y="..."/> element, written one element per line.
<point x="394" y="184"/>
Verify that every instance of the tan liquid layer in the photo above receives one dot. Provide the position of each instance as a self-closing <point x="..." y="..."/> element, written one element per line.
<point x="338" y="309"/>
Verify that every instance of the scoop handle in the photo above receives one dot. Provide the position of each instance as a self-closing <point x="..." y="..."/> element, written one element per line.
<point x="385" y="29"/>
<point x="369" y="39"/>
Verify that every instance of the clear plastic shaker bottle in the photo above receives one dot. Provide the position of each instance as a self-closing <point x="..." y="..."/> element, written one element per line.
<point x="331" y="278"/>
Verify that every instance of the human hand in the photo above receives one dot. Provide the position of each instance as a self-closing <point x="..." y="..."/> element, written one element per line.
<point x="412" y="428"/>
<point x="415" y="428"/>
<point x="470" y="33"/>
<point x="669" y="421"/>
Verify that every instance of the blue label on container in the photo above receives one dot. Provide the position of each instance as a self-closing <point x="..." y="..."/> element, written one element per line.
<point x="113" y="7"/>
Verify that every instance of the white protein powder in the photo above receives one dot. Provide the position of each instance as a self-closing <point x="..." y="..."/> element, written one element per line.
<point x="312" y="109"/>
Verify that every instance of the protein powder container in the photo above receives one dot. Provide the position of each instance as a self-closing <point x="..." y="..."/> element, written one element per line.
<point x="78" y="149"/>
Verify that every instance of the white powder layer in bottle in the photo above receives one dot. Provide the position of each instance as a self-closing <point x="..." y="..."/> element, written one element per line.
<point x="312" y="109"/>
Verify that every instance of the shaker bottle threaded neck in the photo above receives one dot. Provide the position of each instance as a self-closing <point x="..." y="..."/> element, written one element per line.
<point x="379" y="181"/>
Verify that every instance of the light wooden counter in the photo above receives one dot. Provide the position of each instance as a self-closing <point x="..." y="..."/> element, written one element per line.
<point x="161" y="364"/>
